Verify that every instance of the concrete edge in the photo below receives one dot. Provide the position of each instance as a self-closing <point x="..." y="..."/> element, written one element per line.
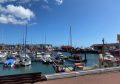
<point x="80" y="73"/>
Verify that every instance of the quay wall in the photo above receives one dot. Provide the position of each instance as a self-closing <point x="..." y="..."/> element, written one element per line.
<point x="80" y="73"/>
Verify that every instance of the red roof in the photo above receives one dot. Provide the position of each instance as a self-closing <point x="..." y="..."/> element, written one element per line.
<point x="66" y="47"/>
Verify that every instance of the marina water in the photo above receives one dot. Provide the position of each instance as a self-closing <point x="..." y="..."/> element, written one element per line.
<point x="92" y="59"/>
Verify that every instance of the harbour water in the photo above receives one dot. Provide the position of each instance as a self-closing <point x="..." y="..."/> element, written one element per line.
<point x="92" y="59"/>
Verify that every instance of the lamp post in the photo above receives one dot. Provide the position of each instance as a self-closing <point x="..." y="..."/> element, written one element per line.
<point x="103" y="50"/>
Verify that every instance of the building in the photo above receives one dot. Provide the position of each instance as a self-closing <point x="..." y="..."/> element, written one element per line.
<point x="106" y="47"/>
<point x="31" y="47"/>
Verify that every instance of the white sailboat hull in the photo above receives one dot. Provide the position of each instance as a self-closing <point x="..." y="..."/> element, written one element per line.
<point x="25" y="60"/>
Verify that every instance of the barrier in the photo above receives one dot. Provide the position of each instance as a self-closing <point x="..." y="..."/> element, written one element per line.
<point x="80" y="73"/>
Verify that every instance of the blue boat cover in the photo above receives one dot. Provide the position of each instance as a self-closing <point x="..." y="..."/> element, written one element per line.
<point x="9" y="61"/>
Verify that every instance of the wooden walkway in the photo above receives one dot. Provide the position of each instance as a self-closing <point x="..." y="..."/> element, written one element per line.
<point x="22" y="78"/>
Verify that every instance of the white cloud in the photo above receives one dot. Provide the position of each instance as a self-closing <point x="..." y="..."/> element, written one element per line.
<point x="20" y="12"/>
<point x="15" y="14"/>
<point x="3" y="1"/>
<point x="11" y="19"/>
<point x="59" y="2"/>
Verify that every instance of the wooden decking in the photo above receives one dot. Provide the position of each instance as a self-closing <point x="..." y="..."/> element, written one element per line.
<point x="22" y="78"/>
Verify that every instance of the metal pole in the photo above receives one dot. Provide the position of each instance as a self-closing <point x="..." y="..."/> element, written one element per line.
<point x="103" y="50"/>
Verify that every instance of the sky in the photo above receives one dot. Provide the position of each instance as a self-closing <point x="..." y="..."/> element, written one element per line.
<point x="90" y="21"/>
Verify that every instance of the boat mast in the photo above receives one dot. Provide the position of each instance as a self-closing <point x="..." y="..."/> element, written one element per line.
<point x="70" y="36"/>
<point x="25" y="39"/>
<point x="45" y="43"/>
<point x="45" y="38"/>
<point x="70" y="33"/>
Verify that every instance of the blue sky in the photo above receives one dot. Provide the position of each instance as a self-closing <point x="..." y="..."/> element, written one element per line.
<point x="91" y="20"/>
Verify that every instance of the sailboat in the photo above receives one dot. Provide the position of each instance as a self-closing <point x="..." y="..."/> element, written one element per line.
<point x="24" y="57"/>
<point x="46" y="56"/>
<point x="73" y="57"/>
<point x="3" y="57"/>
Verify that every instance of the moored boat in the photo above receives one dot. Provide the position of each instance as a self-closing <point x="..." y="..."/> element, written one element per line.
<point x="75" y="58"/>
<point x="106" y="57"/>
<point x="46" y="58"/>
<point x="25" y="59"/>
<point x="60" y="54"/>
<point x="2" y="57"/>
<point x="9" y="62"/>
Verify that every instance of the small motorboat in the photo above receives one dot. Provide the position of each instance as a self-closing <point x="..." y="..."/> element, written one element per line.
<point x="75" y="58"/>
<point x="108" y="60"/>
<point x="38" y="55"/>
<point x="58" y="60"/>
<point x="61" y="55"/>
<point x="9" y="62"/>
<point x="46" y="58"/>
<point x="106" y="57"/>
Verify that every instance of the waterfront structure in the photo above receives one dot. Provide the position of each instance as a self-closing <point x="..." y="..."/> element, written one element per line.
<point x="67" y="48"/>
<point x="19" y="47"/>
<point x="108" y="46"/>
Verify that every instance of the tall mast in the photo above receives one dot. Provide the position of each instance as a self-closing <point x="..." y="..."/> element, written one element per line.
<point x="23" y="46"/>
<point x="25" y="39"/>
<point x="45" y="38"/>
<point x="70" y="36"/>
<point x="45" y="42"/>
